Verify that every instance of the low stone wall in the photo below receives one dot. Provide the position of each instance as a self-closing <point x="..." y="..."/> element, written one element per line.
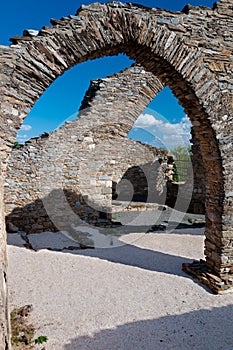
<point x="67" y="176"/>
<point x="72" y="174"/>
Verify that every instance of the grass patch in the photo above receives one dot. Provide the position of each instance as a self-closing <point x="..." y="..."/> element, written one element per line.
<point x="22" y="331"/>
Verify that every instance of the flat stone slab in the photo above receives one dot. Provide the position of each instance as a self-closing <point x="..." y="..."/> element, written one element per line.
<point x="57" y="241"/>
<point x="15" y="239"/>
<point x="52" y="240"/>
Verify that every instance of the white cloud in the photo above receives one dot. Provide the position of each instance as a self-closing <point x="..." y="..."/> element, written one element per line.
<point x="170" y="135"/>
<point x="25" y="127"/>
<point x="22" y="138"/>
<point x="146" y="120"/>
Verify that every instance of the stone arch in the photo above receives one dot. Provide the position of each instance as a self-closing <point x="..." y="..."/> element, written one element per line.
<point x="173" y="47"/>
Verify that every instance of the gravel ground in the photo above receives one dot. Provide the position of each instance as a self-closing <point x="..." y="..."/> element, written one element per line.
<point x="133" y="297"/>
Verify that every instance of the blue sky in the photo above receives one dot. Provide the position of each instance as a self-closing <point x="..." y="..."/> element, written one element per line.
<point x="62" y="99"/>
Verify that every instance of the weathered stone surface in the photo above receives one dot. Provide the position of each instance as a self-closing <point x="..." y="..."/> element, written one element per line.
<point x="88" y="155"/>
<point x="27" y="70"/>
<point x="118" y="158"/>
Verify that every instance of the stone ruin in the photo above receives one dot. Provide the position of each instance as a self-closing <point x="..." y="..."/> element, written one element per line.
<point x="86" y="157"/>
<point x="83" y="158"/>
<point x="191" y="51"/>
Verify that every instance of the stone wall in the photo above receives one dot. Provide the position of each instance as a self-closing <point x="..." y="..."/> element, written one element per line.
<point x="83" y="165"/>
<point x="92" y="154"/>
<point x="128" y="93"/>
<point x="80" y="161"/>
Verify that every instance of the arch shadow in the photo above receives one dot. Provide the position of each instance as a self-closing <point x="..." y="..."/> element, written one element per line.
<point x="202" y="330"/>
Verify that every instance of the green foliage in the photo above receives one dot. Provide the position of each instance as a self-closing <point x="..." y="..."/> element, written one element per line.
<point x="175" y="173"/>
<point x="116" y="216"/>
<point x="16" y="145"/>
<point x="182" y="152"/>
<point x="41" y="339"/>
<point x="22" y="331"/>
<point x="182" y="162"/>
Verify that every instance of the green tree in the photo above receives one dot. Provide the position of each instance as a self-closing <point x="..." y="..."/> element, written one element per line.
<point x="182" y="162"/>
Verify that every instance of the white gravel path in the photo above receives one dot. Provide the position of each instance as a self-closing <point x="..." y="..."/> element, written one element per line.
<point x="134" y="297"/>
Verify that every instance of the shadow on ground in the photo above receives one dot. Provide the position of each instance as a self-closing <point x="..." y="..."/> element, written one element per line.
<point x="197" y="330"/>
<point x="142" y="258"/>
<point x="127" y="254"/>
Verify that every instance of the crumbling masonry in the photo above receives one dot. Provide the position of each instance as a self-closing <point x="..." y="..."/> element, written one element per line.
<point x="191" y="51"/>
<point x="85" y="157"/>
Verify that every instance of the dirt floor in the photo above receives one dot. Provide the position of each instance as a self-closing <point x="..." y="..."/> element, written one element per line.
<point x="131" y="297"/>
